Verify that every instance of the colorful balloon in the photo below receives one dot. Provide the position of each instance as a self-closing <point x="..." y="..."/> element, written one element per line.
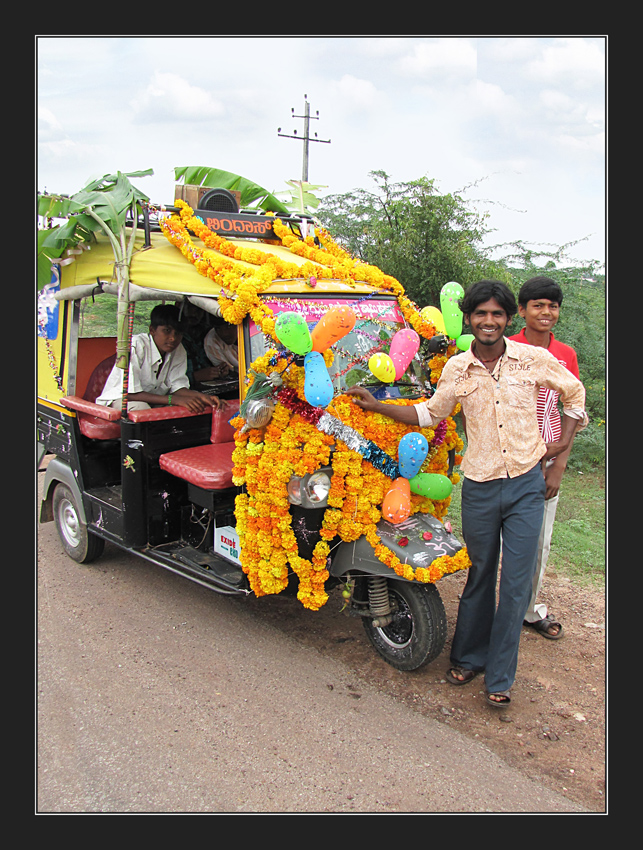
<point x="318" y="387"/>
<point x="334" y="325"/>
<point x="433" y="315"/>
<point x="431" y="485"/>
<point x="450" y="294"/>
<point x="404" y="346"/>
<point x="293" y="332"/>
<point x="411" y="453"/>
<point x="464" y="341"/>
<point x="396" y="506"/>
<point x="382" y="367"/>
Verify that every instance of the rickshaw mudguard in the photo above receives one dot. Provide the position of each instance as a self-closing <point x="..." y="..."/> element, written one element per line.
<point x="59" y="472"/>
<point x="417" y="541"/>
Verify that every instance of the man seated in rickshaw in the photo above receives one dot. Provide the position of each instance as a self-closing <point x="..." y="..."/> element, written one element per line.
<point x="158" y="369"/>
<point x="196" y="323"/>
<point x="222" y="349"/>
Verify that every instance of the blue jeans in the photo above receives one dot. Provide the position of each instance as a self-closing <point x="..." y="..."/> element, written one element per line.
<point x="507" y="512"/>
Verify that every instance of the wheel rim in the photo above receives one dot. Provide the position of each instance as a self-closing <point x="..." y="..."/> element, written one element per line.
<point x="69" y="523"/>
<point x="399" y="632"/>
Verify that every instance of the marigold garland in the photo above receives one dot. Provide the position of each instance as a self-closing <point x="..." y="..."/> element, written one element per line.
<point x="291" y="445"/>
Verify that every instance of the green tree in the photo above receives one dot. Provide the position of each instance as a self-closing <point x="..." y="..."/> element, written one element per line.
<point x="409" y="230"/>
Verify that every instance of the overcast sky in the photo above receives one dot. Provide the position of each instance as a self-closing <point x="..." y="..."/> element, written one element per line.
<point x="523" y="117"/>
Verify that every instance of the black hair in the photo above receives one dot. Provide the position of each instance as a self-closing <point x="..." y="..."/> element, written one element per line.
<point x="166" y="314"/>
<point x="483" y="291"/>
<point x="540" y="287"/>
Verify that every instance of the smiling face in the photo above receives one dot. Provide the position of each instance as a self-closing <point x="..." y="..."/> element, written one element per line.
<point x="540" y="315"/>
<point x="488" y="322"/>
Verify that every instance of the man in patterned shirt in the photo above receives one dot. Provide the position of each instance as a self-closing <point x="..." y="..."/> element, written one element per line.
<point x="539" y="302"/>
<point x="496" y="383"/>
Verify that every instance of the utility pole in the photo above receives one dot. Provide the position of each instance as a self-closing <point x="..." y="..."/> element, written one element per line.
<point x="306" y="137"/>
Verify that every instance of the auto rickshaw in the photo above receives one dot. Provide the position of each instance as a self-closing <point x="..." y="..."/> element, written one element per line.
<point x="283" y="489"/>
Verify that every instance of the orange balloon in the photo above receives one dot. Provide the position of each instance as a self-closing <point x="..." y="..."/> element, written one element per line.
<point x="396" y="506"/>
<point x="338" y="322"/>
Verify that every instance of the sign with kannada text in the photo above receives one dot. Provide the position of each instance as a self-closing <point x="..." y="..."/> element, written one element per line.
<point x="238" y="224"/>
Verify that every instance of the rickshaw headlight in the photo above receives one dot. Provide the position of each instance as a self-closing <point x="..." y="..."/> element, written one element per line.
<point x="310" y="491"/>
<point x="294" y="491"/>
<point x="317" y="487"/>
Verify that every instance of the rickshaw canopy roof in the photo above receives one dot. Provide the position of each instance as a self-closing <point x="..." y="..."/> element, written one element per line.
<point x="163" y="268"/>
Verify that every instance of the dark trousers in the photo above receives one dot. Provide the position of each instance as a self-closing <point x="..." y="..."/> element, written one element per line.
<point x="507" y="512"/>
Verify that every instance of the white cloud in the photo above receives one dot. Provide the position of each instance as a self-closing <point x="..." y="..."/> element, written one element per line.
<point x="356" y="93"/>
<point x="49" y="127"/>
<point x="440" y="58"/>
<point x="169" y="97"/>
<point x="577" y="62"/>
<point x="591" y="144"/>
<point x="488" y="98"/>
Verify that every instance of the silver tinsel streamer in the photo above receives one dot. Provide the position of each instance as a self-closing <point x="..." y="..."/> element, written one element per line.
<point x="368" y="450"/>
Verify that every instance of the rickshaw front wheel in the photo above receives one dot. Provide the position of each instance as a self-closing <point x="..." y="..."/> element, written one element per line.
<point x="80" y="544"/>
<point x="417" y="632"/>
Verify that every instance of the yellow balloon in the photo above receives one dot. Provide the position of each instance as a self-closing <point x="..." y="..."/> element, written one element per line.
<point x="433" y="315"/>
<point x="382" y="367"/>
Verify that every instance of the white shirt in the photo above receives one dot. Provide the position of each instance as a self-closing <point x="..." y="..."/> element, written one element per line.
<point x="219" y="351"/>
<point x="148" y="371"/>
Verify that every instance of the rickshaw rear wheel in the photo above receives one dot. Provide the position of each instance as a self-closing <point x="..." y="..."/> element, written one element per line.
<point x="79" y="543"/>
<point x="417" y="632"/>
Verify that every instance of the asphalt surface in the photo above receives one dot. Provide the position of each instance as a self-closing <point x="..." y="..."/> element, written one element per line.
<point x="155" y="695"/>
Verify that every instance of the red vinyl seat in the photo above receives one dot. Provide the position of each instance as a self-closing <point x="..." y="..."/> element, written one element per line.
<point x="95" y="420"/>
<point x="209" y="466"/>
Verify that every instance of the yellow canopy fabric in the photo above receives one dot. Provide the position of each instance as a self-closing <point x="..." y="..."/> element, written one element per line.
<point x="163" y="267"/>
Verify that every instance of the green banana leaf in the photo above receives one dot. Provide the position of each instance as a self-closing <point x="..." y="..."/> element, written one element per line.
<point x="109" y="198"/>
<point x="301" y="196"/>
<point x="215" y="178"/>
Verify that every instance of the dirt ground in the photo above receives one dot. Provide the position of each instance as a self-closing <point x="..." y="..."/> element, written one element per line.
<point x="554" y="730"/>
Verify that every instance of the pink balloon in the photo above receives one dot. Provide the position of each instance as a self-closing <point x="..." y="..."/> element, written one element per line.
<point x="404" y="346"/>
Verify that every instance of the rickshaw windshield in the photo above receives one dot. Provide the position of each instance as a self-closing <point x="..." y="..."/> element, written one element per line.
<point x="378" y="319"/>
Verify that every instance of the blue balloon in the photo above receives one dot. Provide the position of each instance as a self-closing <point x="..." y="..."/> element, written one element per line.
<point x="318" y="387"/>
<point x="411" y="453"/>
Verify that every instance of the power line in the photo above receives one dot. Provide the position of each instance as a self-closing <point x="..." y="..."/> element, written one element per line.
<point x="306" y="138"/>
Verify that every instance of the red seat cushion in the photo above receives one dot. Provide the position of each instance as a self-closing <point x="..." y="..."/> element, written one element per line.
<point x="209" y="466"/>
<point x="98" y="429"/>
<point x="222" y="430"/>
<point x="94" y="420"/>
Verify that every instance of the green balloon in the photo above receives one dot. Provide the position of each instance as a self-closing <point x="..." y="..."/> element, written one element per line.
<point x="431" y="485"/>
<point x="450" y="294"/>
<point x="464" y="341"/>
<point x="293" y="332"/>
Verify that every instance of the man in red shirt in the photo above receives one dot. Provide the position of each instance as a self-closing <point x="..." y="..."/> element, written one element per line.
<point x="539" y="302"/>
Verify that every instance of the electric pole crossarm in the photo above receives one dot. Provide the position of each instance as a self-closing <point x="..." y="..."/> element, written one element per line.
<point x="306" y="139"/>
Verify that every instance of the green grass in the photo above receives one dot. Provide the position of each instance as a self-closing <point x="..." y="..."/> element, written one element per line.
<point x="98" y="317"/>
<point x="578" y="540"/>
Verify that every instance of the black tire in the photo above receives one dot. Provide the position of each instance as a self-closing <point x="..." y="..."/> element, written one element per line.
<point x="417" y="634"/>
<point x="79" y="543"/>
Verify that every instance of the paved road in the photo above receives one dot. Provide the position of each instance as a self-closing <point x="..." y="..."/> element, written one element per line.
<point x="156" y="695"/>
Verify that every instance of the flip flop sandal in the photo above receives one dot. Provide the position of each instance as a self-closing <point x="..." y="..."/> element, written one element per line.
<point x="543" y="626"/>
<point x="503" y="702"/>
<point x="467" y="675"/>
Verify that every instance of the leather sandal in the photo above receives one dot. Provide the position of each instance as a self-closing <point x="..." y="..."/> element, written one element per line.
<point x="467" y="675"/>
<point x="543" y="626"/>
<point x="503" y="698"/>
